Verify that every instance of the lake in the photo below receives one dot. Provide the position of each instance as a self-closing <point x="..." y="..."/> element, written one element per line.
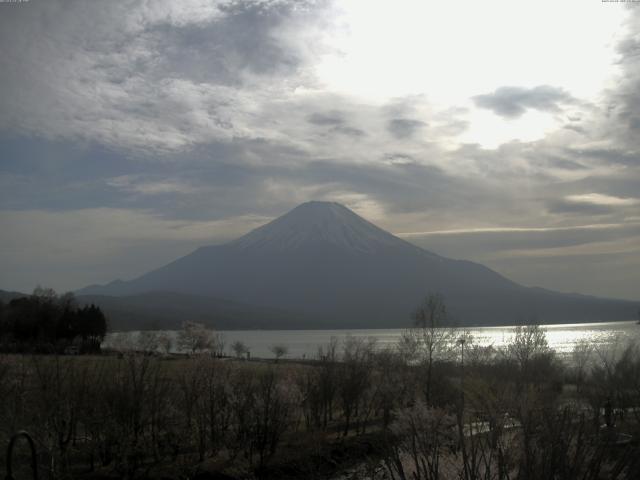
<point x="305" y="343"/>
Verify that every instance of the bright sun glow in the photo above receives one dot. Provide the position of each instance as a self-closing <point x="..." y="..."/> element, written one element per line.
<point x="491" y="130"/>
<point x="451" y="51"/>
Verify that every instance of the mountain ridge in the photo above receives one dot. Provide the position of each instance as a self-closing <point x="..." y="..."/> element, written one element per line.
<point x="322" y="260"/>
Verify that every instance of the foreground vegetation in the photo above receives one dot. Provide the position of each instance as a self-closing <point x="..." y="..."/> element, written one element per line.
<point x="436" y="406"/>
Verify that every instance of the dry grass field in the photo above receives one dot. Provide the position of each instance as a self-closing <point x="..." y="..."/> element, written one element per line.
<point x="354" y="412"/>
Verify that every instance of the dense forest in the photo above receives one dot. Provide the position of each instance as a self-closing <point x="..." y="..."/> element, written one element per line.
<point x="48" y="322"/>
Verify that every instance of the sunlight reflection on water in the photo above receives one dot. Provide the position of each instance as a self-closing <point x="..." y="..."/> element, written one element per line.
<point x="305" y="343"/>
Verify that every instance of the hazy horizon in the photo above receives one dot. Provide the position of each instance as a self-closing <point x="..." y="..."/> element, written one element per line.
<point x="132" y="133"/>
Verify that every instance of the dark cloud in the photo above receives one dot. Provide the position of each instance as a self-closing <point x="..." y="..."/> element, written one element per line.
<point x="333" y="117"/>
<point x="402" y="128"/>
<point x="350" y="131"/>
<point x="579" y="208"/>
<point x="624" y="101"/>
<point x="485" y="243"/>
<point x="184" y="187"/>
<point x="610" y="155"/>
<point x="566" y="164"/>
<point x="575" y="128"/>
<point x="221" y="51"/>
<point x="512" y="102"/>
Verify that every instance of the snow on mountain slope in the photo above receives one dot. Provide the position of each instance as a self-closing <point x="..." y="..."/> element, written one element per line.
<point x="314" y="223"/>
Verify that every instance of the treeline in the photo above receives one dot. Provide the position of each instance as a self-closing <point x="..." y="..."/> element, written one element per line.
<point x="427" y="409"/>
<point x="48" y="322"/>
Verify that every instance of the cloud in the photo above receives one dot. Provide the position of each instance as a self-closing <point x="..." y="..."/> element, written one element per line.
<point x="509" y="230"/>
<point x="333" y="117"/>
<point x="404" y="127"/>
<point x="200" y="112"/>
<point x="611" y="155"/>
<point x="216" y="52"/>
<point x="399" y="159"/>
<point x="138" y="185"/>
<point x="513" y="102"/>
<point x="160" y="76"/>
<point x="567" y="164"/>
<point x="350" y="132"/>
<point x="570" y="207"/>
<point x="336" y="120"/>
<point x="600" y="199"/>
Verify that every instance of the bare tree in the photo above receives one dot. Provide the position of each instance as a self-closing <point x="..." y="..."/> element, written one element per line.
<point x="615" y="377"/>
<point x="215" y="402"/>
<point x="45" y="294"/>
<point x="390" y="383"/>
<point x="328" y="383"/>
<point x="271" y="413"/>
<point x="217" y="344"/>
<point x="121" y="341"/>
<point x="433" y="333"/>
<point x="239" y="348"/>
<point x="528" y="342"/>
<point x="409" y="346"/>
<point x="424" y="437"/>
<point x="581" y="356"/>
<point x="195" y="337"/>
<point x="279" y="350"/>
<point x="354" y="378"/>
<point x="529" y="349"/>
<point x="166" y="342"/>
<point x="148" y="341"/>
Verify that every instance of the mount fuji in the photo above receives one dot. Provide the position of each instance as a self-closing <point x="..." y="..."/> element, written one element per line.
<point x="323" y="266"/>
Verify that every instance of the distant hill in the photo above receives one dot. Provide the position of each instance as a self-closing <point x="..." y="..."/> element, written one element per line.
<point x="167" y="310"/>
<point x="332" y="268"/>
<point x="6" y="296"/>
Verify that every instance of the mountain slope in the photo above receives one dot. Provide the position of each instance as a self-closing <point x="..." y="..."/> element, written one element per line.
<point x="324" y="261"/>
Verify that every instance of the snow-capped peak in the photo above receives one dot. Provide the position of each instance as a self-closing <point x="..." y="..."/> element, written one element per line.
<point x="317" y="223"/>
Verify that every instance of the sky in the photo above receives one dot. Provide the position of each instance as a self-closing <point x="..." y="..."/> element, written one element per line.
<point x="507" y="133"/>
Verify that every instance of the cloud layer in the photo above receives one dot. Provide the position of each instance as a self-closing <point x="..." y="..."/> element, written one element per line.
<point x="175" y="124"/>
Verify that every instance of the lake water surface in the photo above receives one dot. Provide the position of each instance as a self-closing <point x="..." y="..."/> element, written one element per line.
<point x="305" y="343"/>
